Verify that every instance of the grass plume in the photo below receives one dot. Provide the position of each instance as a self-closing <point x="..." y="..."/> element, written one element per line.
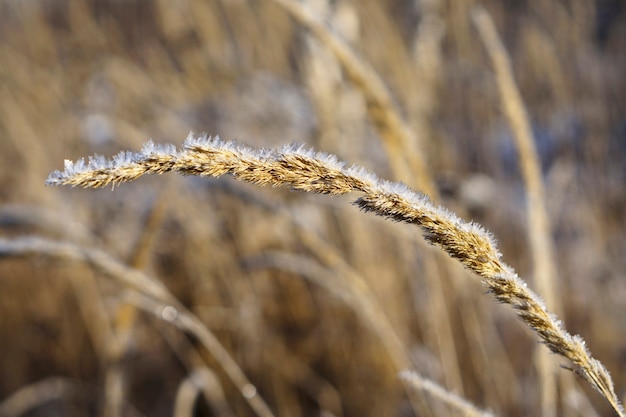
<point x="309" y="171"/>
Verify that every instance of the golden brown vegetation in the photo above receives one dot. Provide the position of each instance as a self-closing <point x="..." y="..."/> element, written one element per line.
<point x="230" y="300"/>
<point x="323" y="174"/>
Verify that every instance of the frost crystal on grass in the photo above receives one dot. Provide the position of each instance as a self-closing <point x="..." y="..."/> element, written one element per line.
<point x="70" y="168"/>
<point x="151" y="148"/>
<point x="120" y="160"/>
<point x="202" y="141"/>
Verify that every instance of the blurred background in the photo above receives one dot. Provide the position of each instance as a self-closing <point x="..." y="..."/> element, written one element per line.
<point x="275" y="274"/>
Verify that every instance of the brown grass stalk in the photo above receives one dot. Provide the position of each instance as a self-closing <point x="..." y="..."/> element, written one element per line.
<point x="125" y="316"/>
<point x="329" y="270"/>
<point x="402" y="145"/>
<point x="321" y="173"/>
<point x="403" y="140"/>
<point x="461" y="405"/>
<point x="31" y="396"/>
<point x="539" y="235"/>
<point x="366" y="307"/>
<point x="201" y="380"/>
<point x="147" y="291"/>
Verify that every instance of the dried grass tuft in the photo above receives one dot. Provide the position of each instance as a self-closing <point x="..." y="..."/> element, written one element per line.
<point x="309" y="171"/>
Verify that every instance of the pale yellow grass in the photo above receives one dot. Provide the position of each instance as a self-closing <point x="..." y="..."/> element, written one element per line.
<point x="321" y="173"/>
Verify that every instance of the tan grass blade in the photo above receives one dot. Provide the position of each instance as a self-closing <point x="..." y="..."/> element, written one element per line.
<point x="33" y="395"/>
<point x="365" y="307"/>
<point x="320" y="173"/>
<point x="201" y="380"/>
<point x="151" y="289"/>
<point x="458" y="403"/>
<point x="401" y="144"/>
<point x="540" y="244"/>
<point x="124" y="318"/>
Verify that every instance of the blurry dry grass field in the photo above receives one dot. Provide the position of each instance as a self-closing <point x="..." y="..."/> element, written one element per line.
<point x="227" y="299"/>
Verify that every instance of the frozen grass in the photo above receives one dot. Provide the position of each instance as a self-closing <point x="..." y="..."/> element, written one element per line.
<point x="321" y="173"/>
<point x="403" y="87"/>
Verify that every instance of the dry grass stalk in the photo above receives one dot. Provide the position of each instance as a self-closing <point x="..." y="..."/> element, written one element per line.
<point x="456" y="402"/>
<point x="148" y="292"/>
<point x="321" y="173"/>
<point x="352" y="292"/>
<point x="340" y="116"/>
<point x="400" y="142"/>
<point x="540" y="244"/>
<point x="125" y="316"/>
<point x="31" y="396"/>
<point x="201" y="380"/>
<point x="328" y="269"/>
